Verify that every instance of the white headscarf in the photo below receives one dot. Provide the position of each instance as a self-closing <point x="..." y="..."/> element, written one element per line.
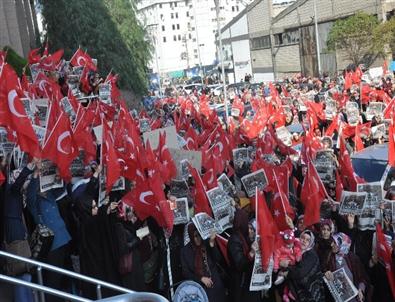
<point x="312" y="240"/>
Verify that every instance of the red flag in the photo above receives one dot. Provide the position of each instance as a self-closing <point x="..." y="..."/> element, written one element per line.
<point x="266" y="228"/>
<point x="50" y="62"/>
<point x="280" y="207"/>
<point x="346" y="169"/>
<point x="223" y="247"/>
<point x="384" y="254"/>
<point x="60" y="147"/>
<point x="168" y="167"/>
<point x="339" y="186"/>
<point x="109" y="158"/>
<point x="191" y="138"/>
<point x="34" y="56"/>
<point x="358" y="140"/>
<point x="209" y="179"/>
<point x="201" y="202"/>
<point x="312" y="194"/>
<point x="2" y="178"/>
<point x="13" y="113"/>
<point x="81" y="58"/>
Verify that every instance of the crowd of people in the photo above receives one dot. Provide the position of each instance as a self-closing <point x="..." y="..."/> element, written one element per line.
<point x="297" y="226"/>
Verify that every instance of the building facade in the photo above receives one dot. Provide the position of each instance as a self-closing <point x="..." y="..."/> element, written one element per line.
<point x="284" y="42"/>
<point x="18" y="25"/>
<point x="184" y="32"/>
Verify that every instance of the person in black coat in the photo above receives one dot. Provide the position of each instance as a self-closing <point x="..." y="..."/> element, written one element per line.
<point x="241" y="257"/>
<point x="198" y="261"/>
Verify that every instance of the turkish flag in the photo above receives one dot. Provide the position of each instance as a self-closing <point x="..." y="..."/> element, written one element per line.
<point x="2" y="178"/>
<point x="13" y="114"/>
<point x="201" y="201"/>
<point x="82" y="134"/>
<point x="60" y="147"/>
<point x="281" y="207"/>
<point x="312" y="194"/>
<point x="384" y="254"/>
<point x="168" y="169"/>
<point x="222" y="244"/>
<point x="110" y="158"/>
<point x="209" y="179"/>
<point x="346" y="169"/>
<point x="81" y="58"/>
<point x="266" y="228"/>
<point x="50" y="62"/>
<point x="358" y="140"/>
<point x="191" y="139"/>
<point x="34" y="56"/>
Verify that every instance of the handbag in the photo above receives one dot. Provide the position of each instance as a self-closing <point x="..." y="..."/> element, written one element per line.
<point x="125" y="263"/>
<point x="41" y="241"/>
<point x="21" y="248"/>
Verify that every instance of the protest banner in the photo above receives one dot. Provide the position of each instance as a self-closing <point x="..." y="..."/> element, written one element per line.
<point x="193" y="157"/>
<point x="221" y="205"/>
<point x="153" y="137"/>
<point x="181" y="211"/>
<point x="352" y="203"/>
<point x="49" y="178"/>
<point x="206" y="225"/>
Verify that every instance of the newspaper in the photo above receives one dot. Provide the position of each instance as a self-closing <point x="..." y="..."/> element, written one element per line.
<point x="28" y="108"/>
<point x="341" y="288"/>
<point x="119" y="185"/>
<point x="251" y="181"/>
<point x="240" y="156"/>
<point x="40" y="133"/>
<point x="284" y="135"/>
<point x="41" y="111"/>
<point x="6" y="146"/>
<point x="374" y="109"/>
<point x="387" y="212"/>
<point x="225" y="184"/>
<point x="221" y="204"/>
<point x="68" y="109"/>
<point x="77" y="167"/>
<point x="374" y="195"/>
<point x="193" y="157"/>
<point x="352" y="203"/>
<point x="144" y="125"/>
<point x="181" y="211"/>
<point x="378" y="131"/>
<point x="179" y="188"/>
<point x="186" y="235"/>
<point x="105" y="93"/>
<point x="206" y="225"/>
<point x="260" y="279"/>
<point x="388" y="177"/>
<point x="330" y="109"/>
<point x="325" y="165"/>
<point x="48" y="177"/>
<point x="352" y="111"/>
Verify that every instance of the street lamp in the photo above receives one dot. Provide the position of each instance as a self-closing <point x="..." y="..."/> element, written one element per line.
<point x="155" y="26"/>
<point x="222" y="59"/>
<point x="317" y="42"/>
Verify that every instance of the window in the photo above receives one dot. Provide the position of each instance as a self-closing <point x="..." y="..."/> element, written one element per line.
<point x="193" y="28"/>
<point x="164" y="39"/>
<point x="178" y="26"/>
<point x="287" y="38"/>
<point x="195" y="50"/>
<point x="194" y="40"/>
<point x="160" y="5"/>
<point x="179" y="37"/>
<point x="237" y="8"/>
<point x="187" y="14"/>
<point x="163" y="28"/>
<point x="190" y="36"/>
<point x="172" y="15"/>
<point x="175" y="4"/>
<point x="192" y="17"/>
<point x="161" y="17"/>
<point x="261" y="42"/>
<point x="175" y="38"/>
<point x="176" y="15"/>
<point x="233" y="8"/>
<point x="173" y="27"/>
<point x="196" y="57"/>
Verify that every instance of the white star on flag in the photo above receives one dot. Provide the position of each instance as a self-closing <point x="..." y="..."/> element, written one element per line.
<point x="276" y="213"/>
<point x="165" y="162"/>
<point x="150" y="173"/>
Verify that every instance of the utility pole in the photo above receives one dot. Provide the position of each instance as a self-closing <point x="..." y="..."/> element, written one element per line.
<point x="154" y="38"/>
<point x="197" y="41"/>
<point x="273" y="54"/>
<point x="222" y="59"/>
<point x="317" y="41"/>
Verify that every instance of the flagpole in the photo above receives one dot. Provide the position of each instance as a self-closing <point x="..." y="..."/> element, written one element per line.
<point x="169" y="267"/>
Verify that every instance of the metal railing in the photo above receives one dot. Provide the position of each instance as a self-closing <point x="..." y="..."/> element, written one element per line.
<point x="136" y="296"/>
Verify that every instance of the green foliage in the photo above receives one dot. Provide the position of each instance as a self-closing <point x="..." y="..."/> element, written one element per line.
<point x="16" y="61"/>
<point x="354" y="35"/>
<point x="384" y="35"/>
<point x="107" y="29"/>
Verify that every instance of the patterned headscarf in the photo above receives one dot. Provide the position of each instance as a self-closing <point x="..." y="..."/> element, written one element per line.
<point x="343" y="242"/>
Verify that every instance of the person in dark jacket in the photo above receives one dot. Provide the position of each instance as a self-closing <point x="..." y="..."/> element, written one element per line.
<point x="241" y="256"/>
<point x="305" y="277"/>
<point x="198" y="261"/>
<point x="14" y="225"/>
<point x="342" y="257"/>
<point x="44" y="209"/>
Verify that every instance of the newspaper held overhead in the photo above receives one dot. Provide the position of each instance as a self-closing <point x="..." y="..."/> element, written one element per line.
<point x="206" y="225"/>
<point x="254" y="180"/>
<point x="352" y="203"/>
<point x="225" y="184"/>
<point x="221" y="204"/>
<point x="341" y="288"/>
<point x="49" y="178"/>
<point x="374" y="196"/>
<point x="181" y="211"/>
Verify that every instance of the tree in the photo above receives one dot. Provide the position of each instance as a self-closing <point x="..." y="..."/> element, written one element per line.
<point x="384" y="36"/>
<point x="355" y="36"/>
<point x="108" y="30"/>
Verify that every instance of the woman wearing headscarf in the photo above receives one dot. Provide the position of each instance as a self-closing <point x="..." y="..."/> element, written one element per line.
<point x="305" y="278"/>
<point x="198" y="261"/>
<point x="323" y="244"/>
<point x="241" y="252"/>
<point x="342" y="257"/>
<point x="96" y="241"/>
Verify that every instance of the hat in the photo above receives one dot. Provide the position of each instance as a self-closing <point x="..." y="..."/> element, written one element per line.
<point x="244" y="202"/>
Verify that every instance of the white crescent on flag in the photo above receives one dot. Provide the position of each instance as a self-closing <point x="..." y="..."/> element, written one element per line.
<point x="60" y="140"/>
<point x="11" y="103"/>
<point x="81" y="59"/>
<point x="144" y="195"/>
